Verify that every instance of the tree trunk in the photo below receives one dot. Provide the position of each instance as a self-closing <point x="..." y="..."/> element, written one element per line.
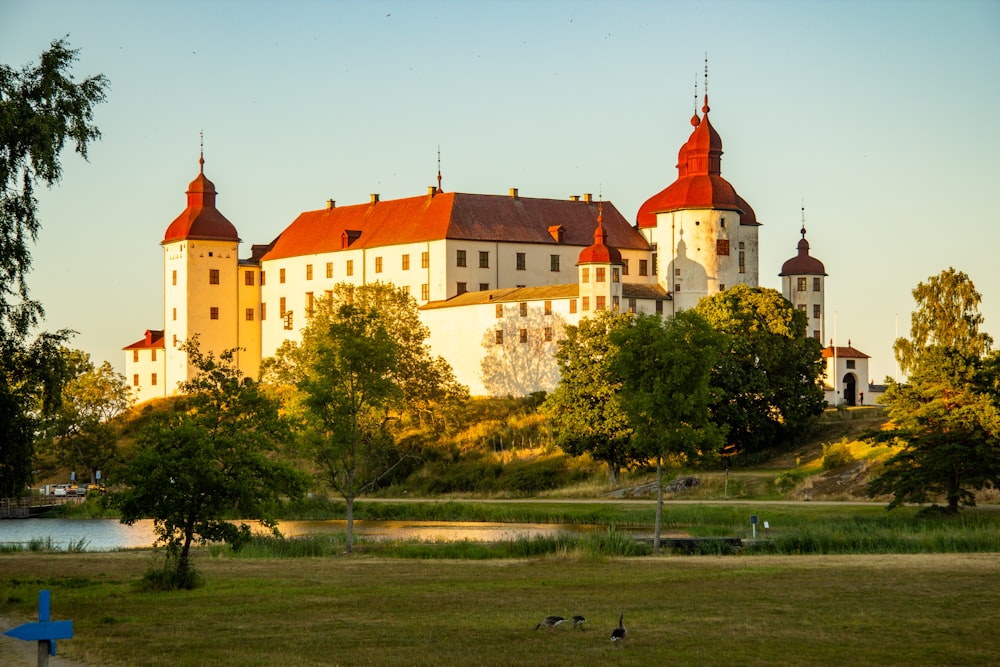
<point x="659" y="504"/>
<point x="350" y="523"/>
<point x="613" y="473"/>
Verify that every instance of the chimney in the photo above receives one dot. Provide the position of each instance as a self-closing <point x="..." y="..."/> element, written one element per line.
<point x="431" y="190"/>
<point x="374" y="198"/>
<point x="330" y="204"/>
<point x="513" y="193"/>
<point x="587" y="197"/>
<point x="574" y="197"/>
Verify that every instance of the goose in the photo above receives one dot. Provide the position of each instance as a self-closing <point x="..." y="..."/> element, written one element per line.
<point x="578" y="622"/>
<point x="550" y="622"/>
<point x="618" y="634"/>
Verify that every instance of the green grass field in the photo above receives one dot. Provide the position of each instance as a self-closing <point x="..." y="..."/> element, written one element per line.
<point x="937" y="609"/>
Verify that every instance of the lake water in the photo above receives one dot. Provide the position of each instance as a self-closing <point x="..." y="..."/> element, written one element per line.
<point x="111" y="535"/>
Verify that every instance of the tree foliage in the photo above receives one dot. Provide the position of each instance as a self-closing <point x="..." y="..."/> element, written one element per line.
<point x="518" y="355"/>
<point x="584" y="406"/>
<point x="361" y="363"/>
<point x="767" y="381"/>
<point x="946" y="416"/>
<point x="41" y="107"/>
<point x="207" y="460"/>
<point x="664" y="369"/>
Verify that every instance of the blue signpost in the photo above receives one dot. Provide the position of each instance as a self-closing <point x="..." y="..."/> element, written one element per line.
<point x="45" y="632"/>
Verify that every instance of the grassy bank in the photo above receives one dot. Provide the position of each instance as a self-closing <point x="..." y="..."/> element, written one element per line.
<point x="912" y="610"/>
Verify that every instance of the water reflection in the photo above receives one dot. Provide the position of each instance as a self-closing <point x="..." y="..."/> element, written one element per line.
<point x="110" y="535"/>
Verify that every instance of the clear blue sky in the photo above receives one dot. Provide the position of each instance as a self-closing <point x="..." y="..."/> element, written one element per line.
<point x="880" y="116"/>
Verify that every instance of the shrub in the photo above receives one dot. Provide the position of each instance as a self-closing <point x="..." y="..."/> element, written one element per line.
<point x="837" y="454"/>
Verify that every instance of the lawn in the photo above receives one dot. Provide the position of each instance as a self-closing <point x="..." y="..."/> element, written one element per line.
<point x="922" y="609"/>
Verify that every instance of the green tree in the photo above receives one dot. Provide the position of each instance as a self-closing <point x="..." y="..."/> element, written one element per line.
<point x="767" y="383"/>
<point x="362" y="364"/>
<point x="946" y="417"/>
<point x="80" y="433"/>
<point x="584" y="406"/>
<point x="664" y="368"/>
<point x="41" y="107"/>
<point x="209" y="458"/>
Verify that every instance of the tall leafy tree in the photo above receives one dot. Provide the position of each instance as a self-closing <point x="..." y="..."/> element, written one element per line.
<point x="664" y="369"/>
<point x="767" y="382"/>
<point x="210" y="458"/>
<point x="946" y="417"/>
<point x="362" y="364"/>
<point x="41" y="108"/>
<point x="584" y="406"/>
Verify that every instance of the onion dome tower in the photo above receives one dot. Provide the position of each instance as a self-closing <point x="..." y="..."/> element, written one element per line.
<point x="704" y="229"/>
<point x="803" y="283"/>
<point x="599" y="270"/>
<point x="200" y="269"/>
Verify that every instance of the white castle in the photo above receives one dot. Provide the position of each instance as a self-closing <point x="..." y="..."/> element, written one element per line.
<point x="496" y="278"/>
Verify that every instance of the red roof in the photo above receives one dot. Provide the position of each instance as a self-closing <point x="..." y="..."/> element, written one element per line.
<point x="802" y="264"/>
<point x="599" y="252"/>
<point x="699" y="181"/>
<point x="844" y="352"/>
<point x="153" y="338"/>
<point x="201" y="220"/>
<point x="451" y="215"/>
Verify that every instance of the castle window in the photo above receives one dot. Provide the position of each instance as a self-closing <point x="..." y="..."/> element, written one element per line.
<point x="484" y="287"/>
<point x="615" y="276"/>
<point x="288" y="321"/>
<point x="281" y="307"/>
<point x="548" y="334"/>
<point x="553" y="262"/>
<point x="585" y="303"/>
<point x="135" y="356"/>
<point x="135" y="380"/>
<point x="263" y="311"/>
<point x="802" y="307"/>
<point x="523" y="309"/>
<point x="498" y="337"/>
<point x="460" y="258"/>
<point x="152" y="379"/>
<point x="328" y="294"/>
<point x="816" y="334"/>
<point x="281" y="275"/>
<point x="548" y="307"/>
<point x="600" y="303"/>
<point x="624" y="267"/>
<point x="722" y="287"/>
<point x="817" y="310"/>
<point x="743" y="261"/>
<point x="520" y="261"/>
<point x="850" y="363"/>
<point x="722" y="247"/>
<point x="722" y="223"/>
<point x="425" y="260"/>
<point x="523" y="335"/>
<point x="484" y="260"/>
<point x="309" y="271"/>
<point x="572" y="306"/>
<point x="249" y="314"/>
<point x="350" y="267"/>
<point x="643" y="267"/>
<point x="406" y="262"/>
<point x="175" y="340"/>
<point x="631" y="305"/>
<point x="659" y="307"/>
<point x="462" y="288"/>
<point x="152" y="354"/>
<point x="677" y="287"/>
<point x="248" y="278"/>
<point x="329" y="269"/>
<point x="425" y="292"/>
<point x="499" y="310"/>
<point x="615" y="304"/>
<point x="261" y="278"/>
<point x="406" y="289"/>
<point x="310" y="303"/>
<point x="599" y="274"/>
<point x="585" y="275"/>
<point x="173" y="277"/>
<point x="816" y="284"/>
<point x="801" y="284"/>
<point x="213" y="313"/>
<point x="378" y="265"/>
<point x="213" y="276"/>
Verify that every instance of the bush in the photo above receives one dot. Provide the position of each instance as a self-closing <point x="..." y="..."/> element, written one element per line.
<point x="837" y="454"/>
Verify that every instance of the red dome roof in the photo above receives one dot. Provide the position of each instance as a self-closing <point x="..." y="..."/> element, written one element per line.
<point x="802" y="264"/>
<point x="201" y="220"/>
<point x="699" y="181"/>
<point x="599" y="252"/>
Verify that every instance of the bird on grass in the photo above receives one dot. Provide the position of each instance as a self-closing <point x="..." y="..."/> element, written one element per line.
<point x="550" y="622"/>
<point x="618" y="634"/>
<point x="578" y="622"/>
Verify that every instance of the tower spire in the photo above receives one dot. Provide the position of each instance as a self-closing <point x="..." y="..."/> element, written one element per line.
<point x="705" y="109"/>
<point x="439" y="168"/>
<point x="694" y="118"/>
<point x="201" y="152"/>
<point x="803" y="218"/>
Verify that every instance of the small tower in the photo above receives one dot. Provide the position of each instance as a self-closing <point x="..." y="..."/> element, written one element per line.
<point x="803" y="283"/>
<point x="200" y="290"/>
<point x="599" y="270"/>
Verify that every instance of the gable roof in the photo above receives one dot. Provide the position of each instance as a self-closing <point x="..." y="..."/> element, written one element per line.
<point x="152" y="339"/>
<point x="451" y="215"/>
